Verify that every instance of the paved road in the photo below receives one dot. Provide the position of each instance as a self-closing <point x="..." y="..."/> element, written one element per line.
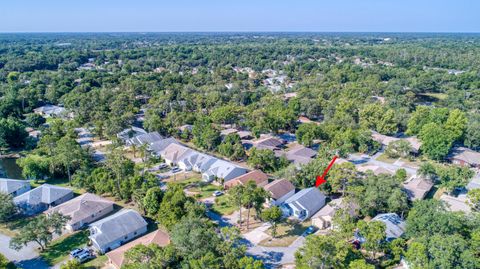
<point x="26" y="258"/>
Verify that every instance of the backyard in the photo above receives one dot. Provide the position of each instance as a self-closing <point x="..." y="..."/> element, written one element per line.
<point x="287" y="233"/>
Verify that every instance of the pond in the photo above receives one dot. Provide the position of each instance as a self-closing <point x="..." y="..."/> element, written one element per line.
<point x="10" y="169"/>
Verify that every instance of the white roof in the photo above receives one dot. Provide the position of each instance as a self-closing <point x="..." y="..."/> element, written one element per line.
<point x="116" y="226"/>
<point x="222" y="169"/>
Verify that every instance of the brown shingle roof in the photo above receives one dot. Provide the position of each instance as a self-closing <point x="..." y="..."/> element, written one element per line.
<point x="158" y="237"/>
<point x="279" y="188"/>
<point x="258" y="176"/>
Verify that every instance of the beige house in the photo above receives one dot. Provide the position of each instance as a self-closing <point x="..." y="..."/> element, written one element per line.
<point x="117" y="257"/>
<point x="83" y="210"/>
<point x="279" y="191"/>
<point x="259" y="177"/>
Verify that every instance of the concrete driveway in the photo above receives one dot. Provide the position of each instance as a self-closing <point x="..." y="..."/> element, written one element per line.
<point x="26" y="258"/>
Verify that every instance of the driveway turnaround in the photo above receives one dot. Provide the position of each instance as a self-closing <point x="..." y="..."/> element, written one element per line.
<point x="26" y="258"/>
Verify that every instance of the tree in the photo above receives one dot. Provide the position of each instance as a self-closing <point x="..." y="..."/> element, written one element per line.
<point x="194" y="238"/>
<point x="34" y="166"/>
<point x="152" y="200"/>
<point x="235" y="198"/>
<point x="265" y="160"/>
<point x="39" y="230"/>
<point x="69" y="153"/>
<point x="418" y="119"/>
<point x="205" y="135"/>
<point x="151" y="257"/>
<point x="360" y="264"/>
<point x="436" y="143"/>
<point x="456" y="125"/>
<point x="232" y="147"/>
<point x="400" y="148"/>
<point x="324" y="252"/>
<point x="8" y="209"/>
<point x="340" y="176"/>
<point x="72" y="264"/>
<point x="474" y="199"/>
<point x="472" y="133"/>
<point x="416" y="255"/>
<point x="4" y="262"/>
<point x="12" y="133"/>
<point x="374" y="234"/>
<point x="307" y="133"/>
<point x="252" y="196"/>
<point x="34" y="120"/>
<point x="273" y="215"/>
<point x="173" y="206"/>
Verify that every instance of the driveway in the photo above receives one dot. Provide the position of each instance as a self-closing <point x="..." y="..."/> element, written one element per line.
<point x="26" y="258"/>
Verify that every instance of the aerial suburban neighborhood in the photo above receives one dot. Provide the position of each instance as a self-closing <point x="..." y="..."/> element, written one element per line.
<point x="238" y="149"/>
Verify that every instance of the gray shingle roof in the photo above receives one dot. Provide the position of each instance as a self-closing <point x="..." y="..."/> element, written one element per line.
<point x="395" y="226"/>
<point x="311" y="199"/>
<point x="117" y="226"/>
<point x="144" y="139"/>
<point x="9" y="186"/>
<point x="45" y="194"/>
<point x="159" y="146"/>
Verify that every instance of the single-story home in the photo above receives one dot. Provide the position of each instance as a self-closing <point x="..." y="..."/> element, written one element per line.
<point x="117" y="257"/>
<point x="174" y="153"/>
<point x="130" y="133"/>
<point x="298" y="154"/>
<point x="304" y="204"/>
<point x="223" y="170"/>
<point x="417" y="187"/>
<point x="14" y="187"/>
<point x="385" y="140"/>
<point x="279" y="191"/>
<point x="50" y="111"/>
<point x="228" y="131"/>
<point x="113" y="231"/>
<point x="196" y="161"/>
<point x="375" y="169"/>
<point x="268" y="142"/>
<point x="465" y="157"/>
<point x="83" y="210"/>
<point x="323" y="218"/>
<point x="245" y="135"/>
<point x="148" y="138"/>
<point x="456" y="204"/>
<point x="42" y="198"/>
<point x="259" y="177"/>
<point x="395" y="226"/>
<point x="158" y="147"/>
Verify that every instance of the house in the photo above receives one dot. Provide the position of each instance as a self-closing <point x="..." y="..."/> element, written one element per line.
<point x="148" y="138"/>
<point x="50" y="111"/>
<point x="465" y="157"/>
<point x="459" y="203"/>
<point x="417" y="187"/>
<point x="259" y="177"/>
<point x="385" y="140"/>
<point x="115" y="230"/>
<point x="158" y="237"/>
<point x="158" y="147"/>
<point x="196" y="161"/>
<point x="14" y="187"/>
<point x="83" y="210"/>
<point x="228" y="131"/>
<point x="129" y="133"/>
<point x="223" y="170"/>
<point x="375" y="169"/>
<point x="323" y="218"/>
<point x="174" y="152"/>
<point x="245" y="135"/>
<point x="395" y="226"/>
<point x="42" y="198"/>
<point x="268" y="142"/>
<point x="279" y="191"/>
<point x="304" y="204"/>
<point x="298" y="154"/>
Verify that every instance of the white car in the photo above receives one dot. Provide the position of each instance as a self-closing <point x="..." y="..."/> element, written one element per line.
<point x="217" y="193"/>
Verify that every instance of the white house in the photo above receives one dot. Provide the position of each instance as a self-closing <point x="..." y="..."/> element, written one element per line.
<point x="304" y="203"/>
<point x="395" y="226"/>
<point x="113" y="231"/>
<point x="223" y="170"/>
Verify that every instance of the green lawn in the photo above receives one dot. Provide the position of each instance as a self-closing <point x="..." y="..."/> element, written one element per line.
<point x="286" y="233"/>
<point x="384" y="158"/>
<point x="60" y="248"/>
<point x="222" y="207"/>
<point x="204" y="190"/>
<point x="97" y="263"/>
<point x="11" y="228"/>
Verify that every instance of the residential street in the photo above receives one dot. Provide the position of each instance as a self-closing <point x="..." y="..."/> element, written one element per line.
<point x="26" y="258"/>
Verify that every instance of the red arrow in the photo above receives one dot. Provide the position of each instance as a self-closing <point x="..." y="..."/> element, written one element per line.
<point x="321" y="179"/>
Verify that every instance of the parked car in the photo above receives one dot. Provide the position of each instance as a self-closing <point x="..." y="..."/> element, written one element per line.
<point x="76" y="251"/>
<point x="84" y="256"/>
<point x="162" y="166"/>
<point x="217" y="193"/>
<point x="175" y="170"/>
<point x="310" y="230"/>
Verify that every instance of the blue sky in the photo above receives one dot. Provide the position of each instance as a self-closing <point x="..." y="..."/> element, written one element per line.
<point x="239" y="15"/>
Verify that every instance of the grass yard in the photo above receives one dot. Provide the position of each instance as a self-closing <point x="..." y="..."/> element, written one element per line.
<point x="11" y="228"/>
<point x="60" y="248"/>
<point x="204" y="190"/>
<point x="97" y="263"/>
<point x="384" y="158"/>
<point x="286" y="233"/>
<point x="222" y="207"/>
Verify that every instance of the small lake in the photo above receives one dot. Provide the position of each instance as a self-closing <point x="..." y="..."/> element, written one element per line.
<point x="10" y="169"/>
